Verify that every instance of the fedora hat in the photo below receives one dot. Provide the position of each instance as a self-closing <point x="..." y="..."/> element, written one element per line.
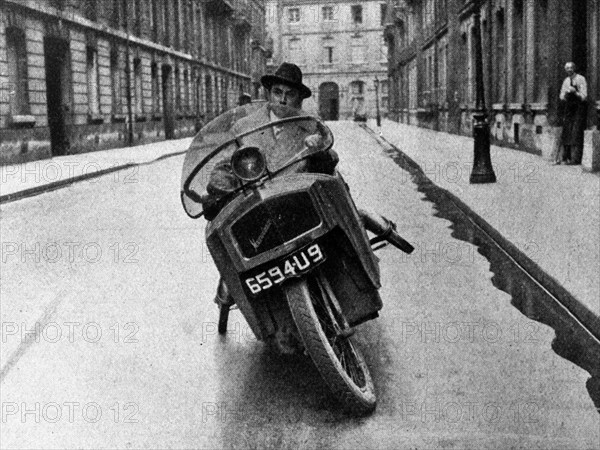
<point x="288" y="74"/>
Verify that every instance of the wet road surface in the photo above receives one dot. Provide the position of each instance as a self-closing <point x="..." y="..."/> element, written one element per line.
<point x="466" y="353"/>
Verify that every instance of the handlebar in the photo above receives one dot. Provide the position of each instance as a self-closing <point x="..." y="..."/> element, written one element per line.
<point x="385" y="230"/>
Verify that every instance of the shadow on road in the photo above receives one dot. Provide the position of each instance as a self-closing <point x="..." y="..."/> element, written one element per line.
<point x="266" y="400"/>
<point x="533" y="292"/>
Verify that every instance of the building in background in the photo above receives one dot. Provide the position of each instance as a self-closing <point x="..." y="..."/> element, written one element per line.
<point x="340" y="48"/>
<point x="526" y="44"/>
<point x="84" y="75"/>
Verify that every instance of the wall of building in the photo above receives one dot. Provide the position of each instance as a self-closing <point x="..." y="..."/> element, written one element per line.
<point x="523" y="63"/>
<point x="182" y="62"/>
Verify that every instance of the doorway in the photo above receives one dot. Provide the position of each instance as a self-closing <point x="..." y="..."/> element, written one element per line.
<point x="56" y="58"/>
<point x="329" y="101"/>
<point x="580" y="36"/>
<point x="167" y="90"/>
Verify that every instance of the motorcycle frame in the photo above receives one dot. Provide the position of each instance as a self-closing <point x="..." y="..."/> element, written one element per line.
<point x="353" y="271"/>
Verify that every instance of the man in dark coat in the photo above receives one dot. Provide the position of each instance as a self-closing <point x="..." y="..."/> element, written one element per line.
<point x="573" y="94"/>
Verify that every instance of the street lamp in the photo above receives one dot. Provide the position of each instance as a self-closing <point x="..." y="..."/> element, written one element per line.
<point x="128" y="76"/>
<point x="377" y="101"/>
<point x="482" y="164"/>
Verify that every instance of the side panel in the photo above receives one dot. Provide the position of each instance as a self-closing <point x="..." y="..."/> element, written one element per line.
<point x="341" y="211"/>
<point x="358" y="297"/>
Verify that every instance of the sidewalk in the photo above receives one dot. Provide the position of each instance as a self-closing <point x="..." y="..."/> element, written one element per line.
<point x="550" y="213"/>
<point x="32" y="178"/>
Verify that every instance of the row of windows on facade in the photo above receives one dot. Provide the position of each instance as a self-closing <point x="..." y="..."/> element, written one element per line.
<point x="432" y="11"/>
<point x="329" y="13"/>
<point x="506" y="85"/>
<point x="185" y="102"/>
<point x="358" y="52"/>
<point x="170" y="24"/>
<point x="356" y="95"/>
<point x="357" y="87"/>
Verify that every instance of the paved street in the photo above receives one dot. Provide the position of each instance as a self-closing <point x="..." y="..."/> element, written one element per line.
<point x="109" y="333"/>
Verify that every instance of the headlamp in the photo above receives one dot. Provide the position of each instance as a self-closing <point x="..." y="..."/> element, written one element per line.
<point x="248" y="164"/>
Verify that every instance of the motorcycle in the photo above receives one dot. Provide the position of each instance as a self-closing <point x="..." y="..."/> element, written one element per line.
<point x="290" y="245"/>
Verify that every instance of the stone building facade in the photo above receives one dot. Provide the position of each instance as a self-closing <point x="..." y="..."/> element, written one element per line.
<point x="83" y="75"/>
<point x="526" y="44"/>
<point x="339" y="46"/>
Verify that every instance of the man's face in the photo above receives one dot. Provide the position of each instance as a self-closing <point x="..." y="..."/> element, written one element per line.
<point x="570" y="69"/>
<point x="285" y="95"/>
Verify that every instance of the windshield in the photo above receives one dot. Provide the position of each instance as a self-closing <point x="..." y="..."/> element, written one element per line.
<point x="283" y="135"/>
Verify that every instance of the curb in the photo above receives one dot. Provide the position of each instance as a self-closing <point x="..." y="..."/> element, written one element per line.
<point x="576" y="308"/>
<point x="31" y="192"/>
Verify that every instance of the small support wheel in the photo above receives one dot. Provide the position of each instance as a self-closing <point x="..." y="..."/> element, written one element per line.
<point x="223" y="318"/>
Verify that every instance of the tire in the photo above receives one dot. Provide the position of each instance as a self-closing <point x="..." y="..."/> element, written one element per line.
<point x="223" y="318"/>
<point x="348" y="378"/>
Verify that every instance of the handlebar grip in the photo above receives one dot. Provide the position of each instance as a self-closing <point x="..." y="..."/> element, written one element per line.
<point x="397" y="241"/>
<point x="385" y="230"/>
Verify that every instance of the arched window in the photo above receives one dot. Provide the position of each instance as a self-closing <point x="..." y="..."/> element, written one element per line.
<point x="116" y="78"/>
<point x="92" y="81"/>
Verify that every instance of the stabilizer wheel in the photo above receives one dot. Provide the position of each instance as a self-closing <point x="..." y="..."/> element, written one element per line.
<point x="223" y="318"/>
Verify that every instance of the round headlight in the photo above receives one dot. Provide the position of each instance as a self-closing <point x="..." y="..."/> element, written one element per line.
<point x="248" y="163"/>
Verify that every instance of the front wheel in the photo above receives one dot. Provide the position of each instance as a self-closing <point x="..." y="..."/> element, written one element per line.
<point x="338" y="360"/>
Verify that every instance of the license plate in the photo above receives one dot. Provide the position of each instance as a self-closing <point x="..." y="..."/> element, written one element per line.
<point x="295" y="264"/>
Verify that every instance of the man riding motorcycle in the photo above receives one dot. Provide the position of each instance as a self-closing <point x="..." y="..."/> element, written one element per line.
<point x="286" y="93"/>
<point x="286" y="236"/>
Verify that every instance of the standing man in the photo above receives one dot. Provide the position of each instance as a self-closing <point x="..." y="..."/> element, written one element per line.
<point x="574" y="95"/>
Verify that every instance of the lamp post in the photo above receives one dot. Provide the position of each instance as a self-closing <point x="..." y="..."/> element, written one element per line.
<point x="128" y="76"/>
<point x="482" y="164"/>
<point x="377" y="101"/>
